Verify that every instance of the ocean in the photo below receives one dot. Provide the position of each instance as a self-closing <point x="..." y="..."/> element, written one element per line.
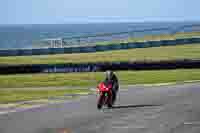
<point x="27" y="36"/>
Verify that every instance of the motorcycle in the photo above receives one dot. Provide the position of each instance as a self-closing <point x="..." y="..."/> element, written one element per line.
<point x="105" y="95"/>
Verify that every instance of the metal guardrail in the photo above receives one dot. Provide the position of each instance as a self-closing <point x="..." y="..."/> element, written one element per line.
<point x="99" y="67"/>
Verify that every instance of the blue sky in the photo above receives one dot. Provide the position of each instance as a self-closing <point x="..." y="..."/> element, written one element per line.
<point x="85" y="11"/>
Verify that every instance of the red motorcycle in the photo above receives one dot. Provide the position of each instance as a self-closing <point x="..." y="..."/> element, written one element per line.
<point x="105" y="95"/>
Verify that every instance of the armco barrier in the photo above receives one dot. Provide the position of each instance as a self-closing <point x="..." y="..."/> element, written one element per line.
<point x="56" y="50"/>
<point x="115" y="47"/>
<point x="88" y="49"/>
<point x="45" y="51"/>
<point x="24" y="52"/>
<point x="9" y="52"/>
<point x="76" y="50"/>
<point x="155" y="43"/>
<point x="94" y="67"/>
<point x="195" y="40"/>
<point x="68" y="50"/>
<point x="101" y="48"/>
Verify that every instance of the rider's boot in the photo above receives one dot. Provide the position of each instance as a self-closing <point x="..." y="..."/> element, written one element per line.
<point x="113" y="98"/>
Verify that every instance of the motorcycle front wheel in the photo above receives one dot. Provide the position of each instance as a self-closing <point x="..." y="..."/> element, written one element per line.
<point x="100" y="102"/>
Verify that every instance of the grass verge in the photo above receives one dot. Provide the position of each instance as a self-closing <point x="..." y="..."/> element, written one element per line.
<point x="157" y="53"/>
<point x="82" y="80"/>
<point x="92" y="79"/>
<point x="179" y="35"/>
<point x="10" y="95"/>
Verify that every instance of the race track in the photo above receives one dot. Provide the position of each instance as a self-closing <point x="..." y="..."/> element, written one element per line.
<point x="165" y="109"/>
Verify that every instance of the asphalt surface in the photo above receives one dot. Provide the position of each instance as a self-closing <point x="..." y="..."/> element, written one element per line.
<point x="166" y="109"/>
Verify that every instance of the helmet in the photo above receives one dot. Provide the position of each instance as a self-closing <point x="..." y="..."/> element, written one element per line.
<point x="109" y="74"/>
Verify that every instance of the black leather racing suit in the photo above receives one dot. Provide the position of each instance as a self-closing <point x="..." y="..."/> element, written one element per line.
<point x="115" y="86"/>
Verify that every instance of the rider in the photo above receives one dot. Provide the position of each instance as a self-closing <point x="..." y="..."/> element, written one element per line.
<point x="111" y="78"/>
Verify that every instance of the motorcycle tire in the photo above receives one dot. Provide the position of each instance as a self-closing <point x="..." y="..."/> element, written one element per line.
<point x="100" y="102"/>
<point x="99" y="106"/>
<point x="109" y="105"/>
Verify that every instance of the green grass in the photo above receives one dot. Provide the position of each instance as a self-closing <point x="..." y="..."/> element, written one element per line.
<point x="46" y="80"/>
<point x="158" y="76"/>
<point x="157" y="53"/>
<point x="92" y="79"/>
<point x="153" y="38"/>
<point x="10" y="96"/>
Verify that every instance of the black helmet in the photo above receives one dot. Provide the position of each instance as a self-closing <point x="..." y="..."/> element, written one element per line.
<point x="109" y="74"/>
